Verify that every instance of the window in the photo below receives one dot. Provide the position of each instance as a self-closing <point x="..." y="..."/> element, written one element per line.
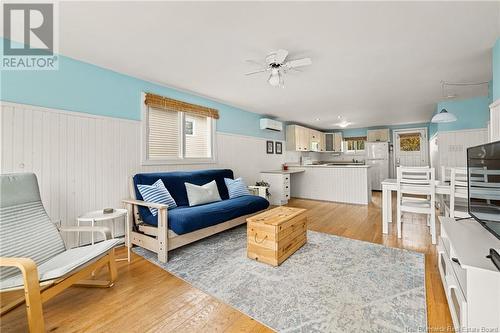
<point x="355" y="144"/>
<point x="176" y="137"/>
<point x="409" y="142"/>
<point x="189" y="128"/>
<point x="198" y="138"/>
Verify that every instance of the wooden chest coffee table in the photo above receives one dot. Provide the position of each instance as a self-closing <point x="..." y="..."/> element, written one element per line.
<point x="274" y="235"/>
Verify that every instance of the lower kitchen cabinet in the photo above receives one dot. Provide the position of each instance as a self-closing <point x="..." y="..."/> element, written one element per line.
<point x="279" y="187"/>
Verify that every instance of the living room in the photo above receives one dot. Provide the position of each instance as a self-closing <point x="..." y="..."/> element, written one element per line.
<point x="240" y="167"/>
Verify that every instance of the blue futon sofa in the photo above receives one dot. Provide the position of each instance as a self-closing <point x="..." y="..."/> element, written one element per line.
<point x="190" y="223"/>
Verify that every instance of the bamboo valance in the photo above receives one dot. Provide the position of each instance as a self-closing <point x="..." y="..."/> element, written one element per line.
<point x="355" y="138"/>
<point x="164" y="103"/>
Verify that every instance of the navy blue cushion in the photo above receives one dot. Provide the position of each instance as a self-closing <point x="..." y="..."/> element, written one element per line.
<point x="187" y="219"/>
<point x="174" y="182"/>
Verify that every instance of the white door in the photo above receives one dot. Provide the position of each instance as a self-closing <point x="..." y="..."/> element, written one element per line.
<point x="411" y="147"/>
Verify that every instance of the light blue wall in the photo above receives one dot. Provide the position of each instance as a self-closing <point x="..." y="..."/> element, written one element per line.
<point x="496" y="70"/>
<point x="363" y="131"/>
<point x="83" y="87"/>
<point x="471" y="113"/>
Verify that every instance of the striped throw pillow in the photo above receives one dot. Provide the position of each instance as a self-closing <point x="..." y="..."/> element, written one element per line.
<point x="236" y="187"/>
<point x="157" y="193"/>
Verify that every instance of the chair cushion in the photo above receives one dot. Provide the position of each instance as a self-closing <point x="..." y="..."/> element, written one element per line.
<point x="27" y="232"/>
<point x="174" y="182"/>
<point x="65" y="262"/>
<point x="236" y="187"/>
<point x="187" y="219"/>
<point x="199" y="195"/>
<point x="157" y="193"/>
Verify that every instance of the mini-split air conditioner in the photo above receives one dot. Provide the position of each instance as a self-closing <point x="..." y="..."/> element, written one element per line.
<point x="270" y="124"/>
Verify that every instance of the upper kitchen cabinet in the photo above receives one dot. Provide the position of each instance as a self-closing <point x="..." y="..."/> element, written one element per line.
<point x="297" y="138"/>
<point x="315" y="140"/>
<point x="333" y="142"/>
<point x="379" y="135"/>
<point x="322" y="143"/>
<point x="300" y="138"/>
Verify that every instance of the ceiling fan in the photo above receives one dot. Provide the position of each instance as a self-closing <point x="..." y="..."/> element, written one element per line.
<point x="276" y="65"/>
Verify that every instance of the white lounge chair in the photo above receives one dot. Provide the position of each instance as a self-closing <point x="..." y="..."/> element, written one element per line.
<point x="33" y="255"/>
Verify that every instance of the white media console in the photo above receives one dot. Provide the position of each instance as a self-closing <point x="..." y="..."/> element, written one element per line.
<point x="471" y="281"/>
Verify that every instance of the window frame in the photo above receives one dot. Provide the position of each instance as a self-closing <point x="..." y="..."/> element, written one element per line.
<point x="181" y="159"/>
<point x="354" y="151"/>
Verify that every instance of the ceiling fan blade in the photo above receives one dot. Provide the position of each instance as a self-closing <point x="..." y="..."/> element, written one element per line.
<point x="255" y="62"/>
<point x="280" y="56"/>
<point x="258" y="71"/>
<point x="291" y="70"/>
<point x="299" y="63"/>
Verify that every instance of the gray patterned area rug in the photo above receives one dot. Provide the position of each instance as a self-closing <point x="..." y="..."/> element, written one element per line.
<point x="332" y="284"/>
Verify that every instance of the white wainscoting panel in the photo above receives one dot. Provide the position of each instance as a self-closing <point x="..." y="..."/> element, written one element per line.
<point x="452" y="147"/>
<point x="495" y="121"/>
<point x="83" y="162"/>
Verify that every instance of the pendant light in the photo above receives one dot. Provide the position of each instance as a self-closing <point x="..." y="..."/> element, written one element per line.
<point x="444" y="117"/>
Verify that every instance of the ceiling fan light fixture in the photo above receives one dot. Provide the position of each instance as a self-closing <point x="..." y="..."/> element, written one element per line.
<point x="274" y="79"/>
<point x="343" y="124"/>
<point x="444" y="117"/>
<point x="278" y="65"/>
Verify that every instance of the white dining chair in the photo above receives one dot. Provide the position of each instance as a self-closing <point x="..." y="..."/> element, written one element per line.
<point x="456" y="204"/>
<point x="444" y="178"/>
<point x="445" y="173"/>
<point x="412" y="181"/>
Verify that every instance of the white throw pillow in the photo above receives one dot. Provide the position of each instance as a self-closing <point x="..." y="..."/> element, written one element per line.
<point x="198" y="195"/>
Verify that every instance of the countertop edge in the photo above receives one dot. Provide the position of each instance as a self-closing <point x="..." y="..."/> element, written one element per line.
<point x="330" y="166"/>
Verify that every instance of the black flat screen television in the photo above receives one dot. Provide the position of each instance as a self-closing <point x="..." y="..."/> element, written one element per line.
<point x="483" y="169"/>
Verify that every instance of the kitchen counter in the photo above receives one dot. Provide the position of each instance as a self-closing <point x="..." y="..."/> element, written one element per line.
<point x="331" y="166"/>
<point x="285" y="172"/>
<point x="338" y="183"/>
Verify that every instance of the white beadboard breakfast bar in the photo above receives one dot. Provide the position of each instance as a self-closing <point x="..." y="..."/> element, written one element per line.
<point x="339" y="183"/>
<point x="347" y="183"/>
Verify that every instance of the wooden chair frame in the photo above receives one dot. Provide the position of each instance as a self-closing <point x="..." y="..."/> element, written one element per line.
<point x="36" y="292"/>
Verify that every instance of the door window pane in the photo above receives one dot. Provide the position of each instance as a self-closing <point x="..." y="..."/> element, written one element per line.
<point x="409" y="142"/>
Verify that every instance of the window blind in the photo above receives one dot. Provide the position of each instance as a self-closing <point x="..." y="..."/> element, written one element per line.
<point x="198" y="144"/>
<point x="163" y="134"/>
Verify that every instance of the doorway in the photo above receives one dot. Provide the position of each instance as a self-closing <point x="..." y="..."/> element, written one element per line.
<point x="411" y="147"/>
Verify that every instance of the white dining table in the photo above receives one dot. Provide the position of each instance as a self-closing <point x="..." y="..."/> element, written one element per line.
<point x="390" y="185"/>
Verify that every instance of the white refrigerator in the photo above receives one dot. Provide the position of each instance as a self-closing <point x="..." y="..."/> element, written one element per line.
<point x="377" y="157"/>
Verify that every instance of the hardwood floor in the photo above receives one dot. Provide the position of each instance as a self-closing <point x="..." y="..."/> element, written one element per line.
<point x="148" y="299"/>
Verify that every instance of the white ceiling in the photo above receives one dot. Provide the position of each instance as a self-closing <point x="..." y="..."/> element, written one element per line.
<point x="373" y="63"/>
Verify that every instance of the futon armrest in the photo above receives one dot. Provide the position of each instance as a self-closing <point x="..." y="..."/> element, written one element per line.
<point x="145" y="204"/>
<point x="105" y="231"/>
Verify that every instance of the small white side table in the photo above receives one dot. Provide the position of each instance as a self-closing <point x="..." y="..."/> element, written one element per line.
<point x="99" y="216"/>
<point x="261" y="191"/>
